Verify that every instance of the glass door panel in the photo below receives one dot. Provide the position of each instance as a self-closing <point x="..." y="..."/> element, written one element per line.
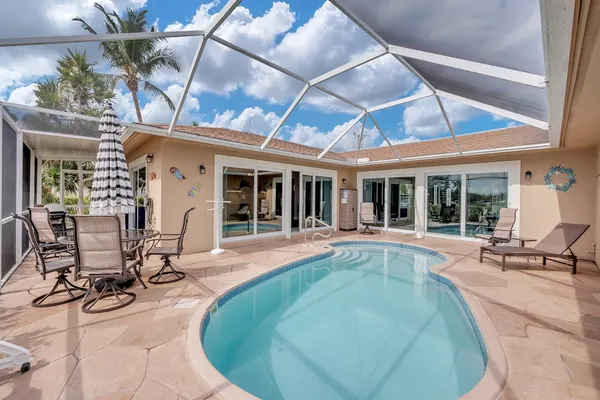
<point x="373" y="192"/>
<point x="323" y="196"/>
<point x="402" y="203"/>
<point x="238" y="188"/>
<point x="443" y="204"/>
<point x="307" y="200"/>
<point x="137" y="220"/>
<point x="270" y="192"/>
<point x="76" y="189"/>
<point x="486" y="195"/>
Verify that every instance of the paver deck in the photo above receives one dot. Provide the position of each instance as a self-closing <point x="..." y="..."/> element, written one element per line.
<point x="547" y="319"/>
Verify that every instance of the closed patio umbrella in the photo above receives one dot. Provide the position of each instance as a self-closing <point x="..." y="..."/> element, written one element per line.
<point x="111" y="187"/>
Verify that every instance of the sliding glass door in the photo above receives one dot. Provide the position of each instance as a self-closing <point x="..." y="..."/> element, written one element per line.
<point x="323" y="196"/>
<point x="269" y="202"/>
<point x="374" y="192"/>
<point x="401" y="212"/>
<point x="486" y="195"/>
<point x="238" y="189"/>
<point x="443" y="204"/>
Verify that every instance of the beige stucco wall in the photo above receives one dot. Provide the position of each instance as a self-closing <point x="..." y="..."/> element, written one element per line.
<point x="541" y="209"/>
<point x="597" y="203"/>
<point x="171" y="195"/>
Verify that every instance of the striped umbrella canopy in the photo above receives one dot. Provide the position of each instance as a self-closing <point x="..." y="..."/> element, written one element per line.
<point x="111" y="187"/>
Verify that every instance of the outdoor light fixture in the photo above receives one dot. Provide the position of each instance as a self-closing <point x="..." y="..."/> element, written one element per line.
<point x="344" y="181"/>
<point x="202" y="170"/>
<point x="528" y="175"/>
<point x="149" y="158"/>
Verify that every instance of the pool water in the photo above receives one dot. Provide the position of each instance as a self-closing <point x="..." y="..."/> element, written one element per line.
<point x="243" y="226"/>
<point x="365" y="323"/>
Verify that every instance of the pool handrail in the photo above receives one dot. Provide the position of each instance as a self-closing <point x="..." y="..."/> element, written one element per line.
<point x="316" y="233"/>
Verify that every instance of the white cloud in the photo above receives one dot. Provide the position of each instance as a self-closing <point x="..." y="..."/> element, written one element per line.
<point x="156" y="110"/>
<point x="409" y="139"/>
<point x="313" y="136"/>
<point x="253" y="120"/>
<point x="23" y="95"/>
<point x="423" y="118"/>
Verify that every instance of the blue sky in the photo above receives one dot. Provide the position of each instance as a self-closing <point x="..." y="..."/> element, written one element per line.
<point x="230" y="90"/>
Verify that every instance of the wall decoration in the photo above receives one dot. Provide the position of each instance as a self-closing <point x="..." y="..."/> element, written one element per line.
<point x="177" y="173"/>
<point x="153" y="176"/>
<point x="558" y="170"/>
<point x="194" y="190"/>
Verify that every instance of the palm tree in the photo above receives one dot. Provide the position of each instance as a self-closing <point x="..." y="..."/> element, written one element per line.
<point x="137" y="60"/>
<point x="48" y="94"/>
<point x="77" y="87"/>
<point x="83" y="88"/>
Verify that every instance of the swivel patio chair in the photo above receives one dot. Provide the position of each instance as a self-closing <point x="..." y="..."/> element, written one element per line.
<point x="49" y="260"/>
<point x="43" y="230"/>
<point x="166" y="253"/>
<point x="367" y="218"/>
<point x="99" y="254"/>
<point x="503" y="230"/>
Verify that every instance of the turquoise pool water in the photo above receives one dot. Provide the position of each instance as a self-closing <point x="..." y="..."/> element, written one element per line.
<point x="368" y="322"/>
<point x="243" y="226"/>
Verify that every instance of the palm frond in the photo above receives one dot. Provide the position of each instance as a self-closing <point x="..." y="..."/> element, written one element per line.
<point x="156" y="91"/>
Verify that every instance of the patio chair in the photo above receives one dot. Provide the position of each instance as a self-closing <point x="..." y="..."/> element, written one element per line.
<point x="166" y="253"/>
<point x="43" y="230"/>
<point x="553" y="246"/>
<point x="502" y="232"/>
<point x="241" y="214"/>
<point x="99" y="255"/>
<point x="367" y="218"/>
<point x="50" y="260"/>
<point x="264" y="209"/>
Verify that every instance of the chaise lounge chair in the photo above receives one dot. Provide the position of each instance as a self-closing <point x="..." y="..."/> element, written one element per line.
<point x="503" y="230"/>
<point x="367" y="217"/>
<point x="554" y="245"/>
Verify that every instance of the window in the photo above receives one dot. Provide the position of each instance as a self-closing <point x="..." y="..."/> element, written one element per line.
<point x="443" y="204"/>
<point x="486" y="195"/>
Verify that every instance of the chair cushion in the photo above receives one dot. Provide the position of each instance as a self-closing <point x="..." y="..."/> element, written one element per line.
<point x="162" y="251"/>
<point x="60" y="264"/>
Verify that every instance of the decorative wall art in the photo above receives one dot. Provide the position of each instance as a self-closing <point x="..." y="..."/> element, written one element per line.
<point x="559" y="173"/>
<point x="153" y="176"/>
<point x="177" y="173"/>
<point x="194" y="190"/>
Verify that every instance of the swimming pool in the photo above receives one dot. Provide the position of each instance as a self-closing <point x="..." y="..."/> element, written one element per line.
<point x="243" y="227"/>
<point x="369" y="321"/>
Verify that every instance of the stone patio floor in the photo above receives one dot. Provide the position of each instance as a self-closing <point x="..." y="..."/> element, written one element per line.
<point x="547" y="319"/>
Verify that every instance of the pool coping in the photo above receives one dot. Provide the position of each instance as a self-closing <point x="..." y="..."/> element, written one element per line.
<point x="489" y="387"/>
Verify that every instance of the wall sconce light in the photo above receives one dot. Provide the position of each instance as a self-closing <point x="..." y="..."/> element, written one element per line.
<point x="202" y="170"/>
<point x="344" y="181"/>
<point x="149" y="158"/>
<point x="528" y="175"/>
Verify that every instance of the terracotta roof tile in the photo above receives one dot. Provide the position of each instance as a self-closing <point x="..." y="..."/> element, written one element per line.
<point x="500" y="138"/>
<point x="495" y="139"/>
<point x="251" y="139"/>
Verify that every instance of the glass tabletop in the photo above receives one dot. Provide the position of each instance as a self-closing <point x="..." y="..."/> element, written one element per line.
<point x="127" y="235"/>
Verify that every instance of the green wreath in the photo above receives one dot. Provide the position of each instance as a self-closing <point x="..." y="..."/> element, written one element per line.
<point x="558" y="170"/>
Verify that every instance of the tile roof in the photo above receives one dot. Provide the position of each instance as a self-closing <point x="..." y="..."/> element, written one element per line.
<point x="252" y="139"/>
<point x="495" y="139"/>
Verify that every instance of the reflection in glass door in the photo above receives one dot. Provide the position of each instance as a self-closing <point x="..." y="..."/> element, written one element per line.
<point x="137" y="220"/>
<point x="238" y="188"/>
<point x="486" y="195"/>
<point x="401" y="206"/>
<point x="323" y="196"/>
<point x="268" y="220"/>
<point x="373" y="192"/>
<point x="443" y="204"/>
<point x="307" y="200"/>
